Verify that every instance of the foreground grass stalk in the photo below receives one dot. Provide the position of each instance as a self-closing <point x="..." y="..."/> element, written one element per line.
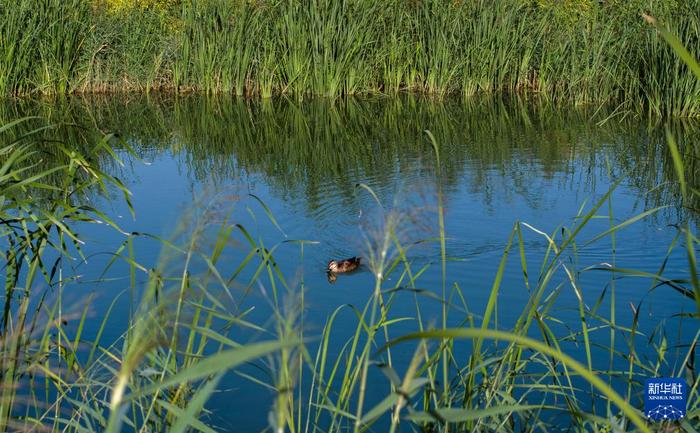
<point x="579" y="368"/>
<point x="372" y="327"/>
<point x="443" y="269"/>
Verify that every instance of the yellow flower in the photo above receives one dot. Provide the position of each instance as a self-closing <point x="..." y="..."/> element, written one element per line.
<point x="128" y="5"/>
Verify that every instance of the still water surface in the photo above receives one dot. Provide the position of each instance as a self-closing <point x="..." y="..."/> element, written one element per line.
<point x="201" y="160"/>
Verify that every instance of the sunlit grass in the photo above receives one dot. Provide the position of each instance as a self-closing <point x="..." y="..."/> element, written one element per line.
<point x="600" y="54"/>
<point x="182" y="337"/>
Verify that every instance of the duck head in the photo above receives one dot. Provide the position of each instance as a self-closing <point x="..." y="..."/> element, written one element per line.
<point x="333" y="266"/>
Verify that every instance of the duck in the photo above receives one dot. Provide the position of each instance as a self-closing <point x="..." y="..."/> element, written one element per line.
<point x="345" y="265"/>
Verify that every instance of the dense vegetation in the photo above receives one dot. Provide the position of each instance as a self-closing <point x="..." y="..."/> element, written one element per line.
<point x="582" y="51"/>
<point x="192" y="323"/>
<point x="188" y="329"/>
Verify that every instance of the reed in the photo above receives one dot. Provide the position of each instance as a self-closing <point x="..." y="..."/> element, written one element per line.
<point x="599" y="53"/>
<point x="186" y="331"/>
<point x="189" y="328"/>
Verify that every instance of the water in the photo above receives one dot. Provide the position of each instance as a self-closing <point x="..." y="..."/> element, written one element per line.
<point x="201" y="160"/>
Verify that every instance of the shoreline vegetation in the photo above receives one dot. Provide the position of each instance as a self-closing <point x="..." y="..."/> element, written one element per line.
<point x="188" y="327"/>
<point x="579" y="51"/>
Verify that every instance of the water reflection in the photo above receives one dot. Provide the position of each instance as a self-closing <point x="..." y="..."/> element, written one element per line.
<point x="314" y="149"/>
<point x="500" y="161"/>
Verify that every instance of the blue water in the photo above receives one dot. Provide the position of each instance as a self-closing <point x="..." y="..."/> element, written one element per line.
<point x="199" y="161"/>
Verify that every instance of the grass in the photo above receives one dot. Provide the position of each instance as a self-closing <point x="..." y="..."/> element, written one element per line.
<point x="185" y="333"/>
<point x="598" y="53"/>
<point x="188" y="329"/>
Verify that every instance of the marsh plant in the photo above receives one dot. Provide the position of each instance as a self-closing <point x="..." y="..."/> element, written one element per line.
<point x="584" y="52"/>
<point x="190" y="324"/>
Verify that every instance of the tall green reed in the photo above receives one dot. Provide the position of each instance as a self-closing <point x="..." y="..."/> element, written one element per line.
<point x="598" y="54"/>
<point x="37" y="239"/>
<point x="133" y="50"/>
<point x="688" y="193"/>
<point x="41" y="45"/>
<point x="159" y="374"/>
<point x="182" y="338"/>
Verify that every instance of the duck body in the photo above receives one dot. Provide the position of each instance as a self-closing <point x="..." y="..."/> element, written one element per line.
<point x="346" y="265"/>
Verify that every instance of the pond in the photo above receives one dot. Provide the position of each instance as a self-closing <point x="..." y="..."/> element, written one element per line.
<point x="336" y="173"/>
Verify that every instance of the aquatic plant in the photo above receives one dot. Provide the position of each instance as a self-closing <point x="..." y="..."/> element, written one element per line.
<point x="188" y="329"/>
<point x="581" y="52"/>
<point x="178" y="342"/>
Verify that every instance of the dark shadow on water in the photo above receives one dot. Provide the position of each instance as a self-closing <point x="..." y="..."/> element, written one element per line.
<point x="315" y="149"/>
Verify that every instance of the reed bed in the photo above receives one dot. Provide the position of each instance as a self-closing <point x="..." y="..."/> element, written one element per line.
<point x="187" y="330"/>
<point x="582" y="52"/>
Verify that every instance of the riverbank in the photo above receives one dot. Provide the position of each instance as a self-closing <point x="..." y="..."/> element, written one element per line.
<point x="583" y="52"/>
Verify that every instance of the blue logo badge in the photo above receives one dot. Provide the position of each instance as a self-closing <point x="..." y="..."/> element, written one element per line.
<point x="664" y="399"/>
